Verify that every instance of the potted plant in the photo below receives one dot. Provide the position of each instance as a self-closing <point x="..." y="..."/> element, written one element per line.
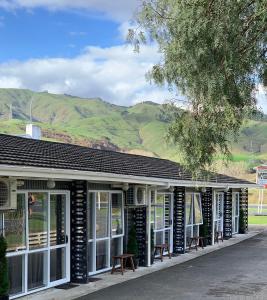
<point x="4" y="284"/>
<point x="204" y="232"/>
<point x="132" y="246"/>
<point x="242" y="225"/>
<point x="152" y="245"/>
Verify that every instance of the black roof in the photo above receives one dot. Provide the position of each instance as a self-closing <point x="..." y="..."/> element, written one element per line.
<point x="43" y="154"/>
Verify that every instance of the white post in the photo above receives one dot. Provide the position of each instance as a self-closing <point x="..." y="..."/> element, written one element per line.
<point x="149" y="228"/>
<point x="259" y="201"/>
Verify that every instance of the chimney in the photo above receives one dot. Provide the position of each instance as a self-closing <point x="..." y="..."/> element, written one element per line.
<point x="33" y="132"/>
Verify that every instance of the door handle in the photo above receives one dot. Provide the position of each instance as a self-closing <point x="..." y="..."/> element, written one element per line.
<point x="66" y="239"/>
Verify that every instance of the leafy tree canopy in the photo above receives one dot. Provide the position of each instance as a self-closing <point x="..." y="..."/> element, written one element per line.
<point x="214" y="52"/>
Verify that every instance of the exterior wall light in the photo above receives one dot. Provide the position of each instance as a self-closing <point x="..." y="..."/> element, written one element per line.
<point x="51" y="183"/>
<point x="125" y="186"/>
<point x="171" y="189"/>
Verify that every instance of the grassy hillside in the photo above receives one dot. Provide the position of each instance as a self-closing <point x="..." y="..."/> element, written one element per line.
<point x="137" y="129"/>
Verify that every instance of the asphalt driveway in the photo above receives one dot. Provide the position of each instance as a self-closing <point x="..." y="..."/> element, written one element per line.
<point x="236" y="272"/>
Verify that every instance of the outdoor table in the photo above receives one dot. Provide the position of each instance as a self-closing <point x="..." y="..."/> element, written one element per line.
<point x="161" y="249"/>
<point x="123" y="259"/>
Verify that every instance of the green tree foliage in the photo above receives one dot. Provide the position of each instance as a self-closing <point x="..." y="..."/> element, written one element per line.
<point x="132" y="246"/>
<point x="4" y="284"/>
<point x="214" y="53"/>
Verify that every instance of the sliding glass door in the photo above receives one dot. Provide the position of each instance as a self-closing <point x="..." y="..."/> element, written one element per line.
<point x="105" y="229"/>
<point x="193" y="215"/>
<point x="37" y="235"/>
<point x="218" y="213"/>
<point x="161" y="219"/>
<point x="235" y="215"/>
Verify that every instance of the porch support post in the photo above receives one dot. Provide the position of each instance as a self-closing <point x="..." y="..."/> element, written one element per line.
<point x="179" y="220"/>
<point x="243" y="204"/>
<point x="207" y="212"/>
<point x="79" y="238"/>
<point x="227" y="214"/>
<point x="140" y="220"/>
<point x="149" y="228"/>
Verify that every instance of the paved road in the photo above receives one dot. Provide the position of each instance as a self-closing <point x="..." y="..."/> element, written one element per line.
<point x="236" y="272"/>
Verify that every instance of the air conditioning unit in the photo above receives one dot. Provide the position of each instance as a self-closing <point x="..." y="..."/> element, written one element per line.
<point x="8" y="194"/>
<point x="140" y="195"/>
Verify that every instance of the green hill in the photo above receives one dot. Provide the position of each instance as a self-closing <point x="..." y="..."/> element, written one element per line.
<point x="94" y="122"/>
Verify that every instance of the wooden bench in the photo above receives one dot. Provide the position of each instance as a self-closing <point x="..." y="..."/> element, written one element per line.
<point x="161" y="249"/>
<point x="123" y="260"/>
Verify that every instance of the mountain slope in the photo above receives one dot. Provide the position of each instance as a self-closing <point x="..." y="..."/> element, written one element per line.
<point x="94" y="122"/>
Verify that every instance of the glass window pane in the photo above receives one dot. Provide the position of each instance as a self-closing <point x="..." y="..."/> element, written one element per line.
<point x="15" y="226"/>
<point x="159" y="211"/>
<point x="102" y="254"/>
<point x="37" y="220"/>
<point x="16" y="274"/>
<point x="37" y="270"/>
<point x="196" y="230"/>
<point x="102" y="215"/>
<point x="168" y="237"/>
<point x="197" y="209"/>
<point x="237" y="204"/>
<point x="57" y="264"/>
<point x="159" y="238"/>
<point x="189" y="232"/>
<point x="91" y="256"/>
<point x="152" y="220"/>
<point x="117" y="214"/>
<point x="188" y="208"/>
<point x="57" y="219"/>
<point x="116" y="248"/>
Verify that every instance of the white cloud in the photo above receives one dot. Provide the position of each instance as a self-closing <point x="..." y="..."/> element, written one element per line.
<point x="116" y="74"/>
<point x="261" y="96"/>
<point x="119" y="9"/>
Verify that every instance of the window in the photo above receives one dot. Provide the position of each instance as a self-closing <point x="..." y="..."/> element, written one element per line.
<point x="116" y="213"/>
<point x="193" y="211"/>
<point x="15" y="226"/>
<point x="105" y="229"/>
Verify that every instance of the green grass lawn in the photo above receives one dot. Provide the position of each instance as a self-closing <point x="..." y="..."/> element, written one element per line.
<point x="261" y="220"/>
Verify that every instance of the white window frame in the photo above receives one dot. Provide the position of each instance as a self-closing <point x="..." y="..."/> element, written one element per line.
<point x="46" y="250"/>
<point x="192" y="225"/>
<point x="214" y="212"/>
<point x="94" y="240"/>
<point x="164" y="229"/>
<point x="235" y="215"/>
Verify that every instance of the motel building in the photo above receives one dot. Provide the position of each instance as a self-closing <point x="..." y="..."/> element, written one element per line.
<point x="66" y="210"/>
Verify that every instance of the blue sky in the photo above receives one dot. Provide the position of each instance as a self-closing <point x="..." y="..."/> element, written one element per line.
<point x="77" y="47"/>
<point x="42" y="33"/>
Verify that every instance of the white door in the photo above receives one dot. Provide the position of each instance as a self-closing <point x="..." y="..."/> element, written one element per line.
<point x="235" y="211"/>
<point x="161" y="219"/>
<point x="218" y="213"/>
<point x="39" y="248"/>
<point x="105" y="228"/>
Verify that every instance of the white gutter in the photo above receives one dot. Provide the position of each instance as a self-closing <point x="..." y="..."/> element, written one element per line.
<point x="45" y="173"/>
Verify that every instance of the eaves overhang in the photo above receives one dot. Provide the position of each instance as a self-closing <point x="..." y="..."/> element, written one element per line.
<point x="65" y="174"/>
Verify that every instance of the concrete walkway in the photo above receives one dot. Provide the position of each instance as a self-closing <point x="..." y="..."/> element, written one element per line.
<point x="237" y="269"/>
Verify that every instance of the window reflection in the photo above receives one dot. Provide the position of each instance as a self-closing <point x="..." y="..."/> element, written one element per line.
<point x="15" y="226"/>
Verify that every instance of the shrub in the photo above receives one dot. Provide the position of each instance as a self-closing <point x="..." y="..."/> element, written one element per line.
<point x="132" y="246"/>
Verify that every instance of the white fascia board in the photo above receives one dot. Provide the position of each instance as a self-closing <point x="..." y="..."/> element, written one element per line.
<point x="63" y="174"/>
